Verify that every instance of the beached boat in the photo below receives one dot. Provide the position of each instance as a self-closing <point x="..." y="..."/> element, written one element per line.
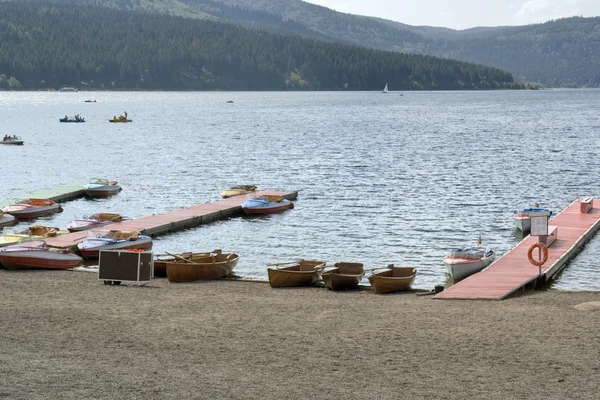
<point x="16" y="140"/>
<point x="266" y="204"/>
<point x="393" y="279"/>
<point x="238" y="190"/>
<point x="35" y="232"/>
<point x="161" y="260"/>
<point x="31" y="208"/>
<point x="7" y="219"/>
<point x="95" y="221"/>
<point x="213" y="266"/>
<point x="37" y="255"/>
<point x="295" y="273"/>
<point x="344" y="276"/>
<point x="101" y="188"/>
<point x="112" y="240"/>
<point x="463" y="262"/>
<point x="522" y="219"/>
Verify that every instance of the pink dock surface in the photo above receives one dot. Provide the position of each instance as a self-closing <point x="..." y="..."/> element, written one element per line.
<point x="174" y="220"/>
<point x="513" y="270"/>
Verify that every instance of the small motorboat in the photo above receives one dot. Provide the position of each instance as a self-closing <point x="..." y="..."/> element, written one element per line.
<point x="101" y="188"/>
<point x="393" y="279"/>
<point x="16" y="140"/>
<point x="31" y="208"/>
<point x="35" y="232"/>
<point x="90" y="101"/>
<point x="295" y="273"/>
<point x="344" y="276"/>
<point x="205" y="267"/>
<point x="7" y="219"/>
<point x="161" y="260"/>
<point x="229" y="101"/>
<point x="95" y="221"/>
<point x="238" y="190"/>
<point x="75" y="119"/>
<point x="463" y="262"/>
<point x="68" y="89"/>
<point x="266" y="204"/>
<point x="112" y="240"/>
<point x="522" y="218"/>
<point x="37" y="255"/>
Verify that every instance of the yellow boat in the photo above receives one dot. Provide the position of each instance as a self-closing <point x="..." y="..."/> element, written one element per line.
<point x="35" y="232"/>
<point x="238" y="190"/>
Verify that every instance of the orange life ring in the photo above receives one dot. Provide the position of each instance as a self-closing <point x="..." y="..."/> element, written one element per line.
<point x="544" y="250"/>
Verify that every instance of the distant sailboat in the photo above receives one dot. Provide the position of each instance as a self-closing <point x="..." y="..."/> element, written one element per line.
<point x="385" y="89"/>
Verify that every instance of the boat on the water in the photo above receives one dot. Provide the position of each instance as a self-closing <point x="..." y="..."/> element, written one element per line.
<point x="7" y="219"/>
<point x="31" y="208"/>
<point x="385" y="89"/>
<point x="101" y="188"/>
<point x="266" y="204"/>
<point x="238" y="190"/>
<point x="206" y="267"/>
<point x="35" y="232"/>
<point x="522" y="219"/>
<point x="37" y="255"/>
<point x="393" y="279"/>
<point x="112" y="240"/>
<point x="75" y="119"/>
<point x="68" y="89"/>
<point x="120" y="118"/>
<point x="14" y="139"/>
<point x="295" y="273"/>
<point x="463" y="262"/>
<point x="95" y="221"/>
<point x="161" y="260"/>
<point x="90" y="101"/>
<point x="345" y="275"/>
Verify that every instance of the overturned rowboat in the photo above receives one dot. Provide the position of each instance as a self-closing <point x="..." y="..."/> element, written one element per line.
<point x="295" y="273"/>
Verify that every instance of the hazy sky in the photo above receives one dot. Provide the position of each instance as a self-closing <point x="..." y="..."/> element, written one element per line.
<point x="461" y="14"/>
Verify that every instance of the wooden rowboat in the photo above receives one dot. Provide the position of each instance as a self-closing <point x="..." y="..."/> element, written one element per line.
<point x="394" y="279"/>
<point x="161" y="260"/>
<point x="295" y="273"/>
<point x="216" y="265"/>
<point x="344" y="276"/>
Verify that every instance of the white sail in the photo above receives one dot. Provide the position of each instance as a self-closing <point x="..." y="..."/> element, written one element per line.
<point x="385" y="89"/>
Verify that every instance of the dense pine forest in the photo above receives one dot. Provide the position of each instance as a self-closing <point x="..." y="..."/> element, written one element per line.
<point x="45" y="45"/>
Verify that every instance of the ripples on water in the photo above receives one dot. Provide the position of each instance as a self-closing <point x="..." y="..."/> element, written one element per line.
<point x="381" y="178"/>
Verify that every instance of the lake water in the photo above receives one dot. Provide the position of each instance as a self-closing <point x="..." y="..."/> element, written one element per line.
<point x="381" y="178"/>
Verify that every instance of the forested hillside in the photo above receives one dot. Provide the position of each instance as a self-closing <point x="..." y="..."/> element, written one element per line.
<point x="44" y="45"/>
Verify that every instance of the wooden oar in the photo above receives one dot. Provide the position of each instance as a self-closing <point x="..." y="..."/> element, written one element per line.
<point x="179" y="258"/>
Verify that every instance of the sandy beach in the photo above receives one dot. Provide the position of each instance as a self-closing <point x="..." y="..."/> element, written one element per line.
<point x="65" y="335"/>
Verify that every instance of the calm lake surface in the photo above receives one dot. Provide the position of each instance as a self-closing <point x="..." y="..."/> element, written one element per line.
<point x="381" y="178"/>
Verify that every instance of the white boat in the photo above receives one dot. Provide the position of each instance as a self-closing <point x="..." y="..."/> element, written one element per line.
<point x="385" y="89"/>
<point x="112" y="240"/>
<point x="101" y="188"/>
<point x="463" y="262"/>
<point x="522" y="219"/>
<point x="68" y="89"/>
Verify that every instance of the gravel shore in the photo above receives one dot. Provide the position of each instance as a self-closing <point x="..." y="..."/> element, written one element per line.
<point x="65" y="335"/>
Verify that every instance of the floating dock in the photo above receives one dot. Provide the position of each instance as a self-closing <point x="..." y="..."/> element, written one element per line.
<point x="57" y="194"/>
<point x="513" y="270"/>
<point x="174" y="220"/>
